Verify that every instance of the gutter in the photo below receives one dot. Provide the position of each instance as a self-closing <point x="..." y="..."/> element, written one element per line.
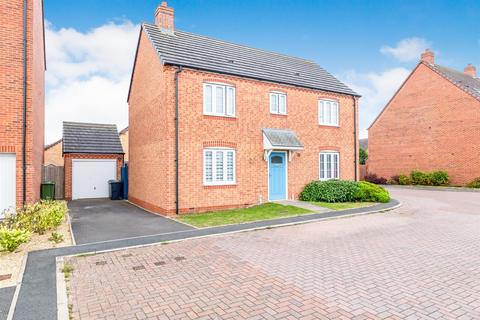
<point x="177" y="210"/>
<point x="24" y="129"/>
<point x="355" y="136"/>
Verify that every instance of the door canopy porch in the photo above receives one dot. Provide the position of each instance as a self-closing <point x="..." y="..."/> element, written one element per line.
<point x="280" y="139"/>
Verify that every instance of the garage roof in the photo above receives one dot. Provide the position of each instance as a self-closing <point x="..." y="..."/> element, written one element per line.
<point x="91" y="138"/>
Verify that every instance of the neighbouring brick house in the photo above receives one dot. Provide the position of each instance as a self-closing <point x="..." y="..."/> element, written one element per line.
<point x="21" y="101"/>
<point x="53" y="153"/>
<point x="93" y="155"/>
<point x="431" y="123"/>
<point x="252" y="125"/>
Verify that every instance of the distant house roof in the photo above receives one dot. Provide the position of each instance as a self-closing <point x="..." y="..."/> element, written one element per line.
<point x="91" y="138"/>
<point x="48" y="146"/>
<point x="363" y="143"/>
<point x="204" y="53"/>
<point x="464" y="81"/>
<point x="281" y="139"/>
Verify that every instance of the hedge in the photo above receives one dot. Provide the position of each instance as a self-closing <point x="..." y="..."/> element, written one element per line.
<point x="344" y="191"/>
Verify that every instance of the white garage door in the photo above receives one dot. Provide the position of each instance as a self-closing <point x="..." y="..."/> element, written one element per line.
<point x="90" y="177"/>
<point x="7" y="182"/>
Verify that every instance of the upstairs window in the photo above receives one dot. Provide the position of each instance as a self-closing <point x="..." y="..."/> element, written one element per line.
<point x="218" y="166"/>
<point x="328" y="112"/>
<point x="218" y="100"/>
<point x="278" y="103"/>
<point x="329" y="165"/>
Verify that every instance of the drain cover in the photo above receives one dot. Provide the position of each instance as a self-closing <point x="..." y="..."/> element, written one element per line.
<point x="159" y="263"/>
<point x="179" y="258"/>
<point x="138" y="268"/>
<point x="101" y="263"/>
<point x="127" y="255"/>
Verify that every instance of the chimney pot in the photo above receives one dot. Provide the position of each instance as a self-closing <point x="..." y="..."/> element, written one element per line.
<point x="428" y="57"/>
<point x="470" y="70"/>
<point x="164" y="17"/>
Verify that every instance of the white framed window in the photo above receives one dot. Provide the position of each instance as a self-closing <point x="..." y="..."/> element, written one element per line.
<point x="278" y="103"/>
<point x="328" y="112"/>
<point x="218" y="100"/>
<point x="329" y="165"/>
<point x="218" y="166"/>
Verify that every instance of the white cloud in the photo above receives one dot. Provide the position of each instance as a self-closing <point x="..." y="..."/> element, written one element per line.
<point x="88" y="75"/>
<point x="376" y="90"/>
<point x="407" y="50"/>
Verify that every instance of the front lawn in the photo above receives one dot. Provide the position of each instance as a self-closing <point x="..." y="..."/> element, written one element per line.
<point x="261" y="212"/>
<point x="342" y="205"/>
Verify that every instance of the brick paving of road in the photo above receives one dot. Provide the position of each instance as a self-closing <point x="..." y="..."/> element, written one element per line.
<point x="421" y="261"/>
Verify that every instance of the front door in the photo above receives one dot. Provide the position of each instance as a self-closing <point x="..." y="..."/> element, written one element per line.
<point x="277" y="176"/>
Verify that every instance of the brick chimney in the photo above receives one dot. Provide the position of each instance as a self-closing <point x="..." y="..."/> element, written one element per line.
<point x="470" y="70"/>
<point x="164" y="17"/>
<point x="428" y="57"/>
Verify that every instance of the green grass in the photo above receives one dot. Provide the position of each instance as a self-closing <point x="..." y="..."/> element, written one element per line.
<point x="343" y="205"/>
<point x="261" y="212"/>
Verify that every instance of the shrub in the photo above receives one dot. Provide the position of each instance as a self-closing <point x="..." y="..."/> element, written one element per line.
<point x="373" y="178"/>
<point x="393" y="180"/>
<point x="475" y="183"/>
<point x="439" y="178"/>
<point x="363" y="155"/>
<point x="39" y="217"/>
<point x="421" y="178"/>
<point x="369" y="192"/>
<point x="56" y="237"/>
<point x="330" y="191"/>
<point x="404" y="180"/>
<point x="10" y="239"/>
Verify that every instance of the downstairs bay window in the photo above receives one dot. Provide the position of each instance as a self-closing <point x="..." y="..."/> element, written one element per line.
<point x="218" y="166"/>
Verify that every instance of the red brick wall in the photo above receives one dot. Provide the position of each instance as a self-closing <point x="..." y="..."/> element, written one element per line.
<point x="11" y="90"/>
<point x="68" y="167"/>
<point x="151" y="104"/>
<point x="429" y="125"/>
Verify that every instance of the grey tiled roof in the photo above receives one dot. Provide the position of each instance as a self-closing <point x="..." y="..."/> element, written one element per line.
<point x="204" y="53"/>
<point x="464" y="81"/>
<point x="91" y="138"/>
<point x="282" y="138"/>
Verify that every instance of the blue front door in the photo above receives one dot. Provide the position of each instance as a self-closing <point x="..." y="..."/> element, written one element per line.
<point x="277" y="176"/>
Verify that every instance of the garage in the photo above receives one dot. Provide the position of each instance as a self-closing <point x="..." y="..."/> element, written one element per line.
<point x="90" y="177"/>
<point x="7" y="182"/>
<point x="93" y="155"/>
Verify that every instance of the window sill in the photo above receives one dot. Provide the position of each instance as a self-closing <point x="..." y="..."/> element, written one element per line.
<point x="329" y="126"/>
<point x="211" y="116"/>
<point x="278" y="114"/>
<point x="219" y="186"/>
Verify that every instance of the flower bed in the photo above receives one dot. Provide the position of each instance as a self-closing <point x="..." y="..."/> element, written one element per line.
<point x="38" y="226"/>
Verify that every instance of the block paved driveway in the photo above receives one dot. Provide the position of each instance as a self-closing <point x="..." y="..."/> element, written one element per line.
<point x="421" y="261"/>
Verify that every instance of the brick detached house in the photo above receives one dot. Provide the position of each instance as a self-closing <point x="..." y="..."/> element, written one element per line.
<point x="93" y="155"/>
<point x="53" y="153"/>
<point x="22" y="69"/>
<point x="431" y="123"/>
<point x="216" y="125"/>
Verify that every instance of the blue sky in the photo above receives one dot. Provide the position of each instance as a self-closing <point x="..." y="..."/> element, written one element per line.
<point x="370" y="45"/>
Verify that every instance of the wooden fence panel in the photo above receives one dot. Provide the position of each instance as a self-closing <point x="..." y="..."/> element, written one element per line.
<point x="55" y="174"/>
<point x="363" y="171"/>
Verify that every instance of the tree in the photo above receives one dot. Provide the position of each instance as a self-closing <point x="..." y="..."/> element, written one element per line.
<point x="363" y="156"/>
